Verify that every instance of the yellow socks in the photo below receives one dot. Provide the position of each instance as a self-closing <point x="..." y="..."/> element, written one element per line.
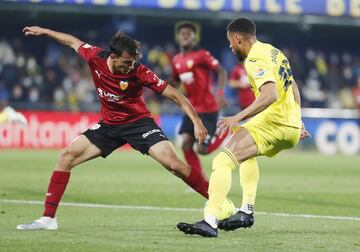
<point x="249" y="178"/>
<point x="220" y="183"/>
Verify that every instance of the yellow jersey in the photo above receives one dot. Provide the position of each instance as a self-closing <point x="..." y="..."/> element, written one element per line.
<point x="266" y="63"/>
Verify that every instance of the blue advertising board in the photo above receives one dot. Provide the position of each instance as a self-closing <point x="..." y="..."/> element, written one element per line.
<point x="294" y="7"/>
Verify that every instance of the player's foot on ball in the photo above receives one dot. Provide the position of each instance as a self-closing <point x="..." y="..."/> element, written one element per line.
<point x="200" y="228"/>
<point x="238" y="220"/>
<point x="44" y="223"/>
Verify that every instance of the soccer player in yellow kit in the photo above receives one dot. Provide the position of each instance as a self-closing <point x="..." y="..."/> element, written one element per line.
<point x="275" y="125"/>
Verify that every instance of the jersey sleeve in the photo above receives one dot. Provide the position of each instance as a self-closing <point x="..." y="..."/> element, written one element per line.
<point x="235" y="74"/>
<point x="260" y="71"/>
<point x="149" y="79"/>
<point x="209" y="61"/>
<point x="87" y="51"/>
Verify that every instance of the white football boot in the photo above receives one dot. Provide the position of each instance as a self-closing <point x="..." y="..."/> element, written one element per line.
<point x="44" y="223"/>
<point x="13" y="116"/>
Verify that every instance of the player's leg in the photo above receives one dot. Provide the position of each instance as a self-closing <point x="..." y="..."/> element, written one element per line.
<point x="147" y="137"/>
<point x="91" y="144"/>
<point x="187" y="144"/>
<point x="270" y="139"/>
<point x="240" y="147"/>
<point x="249" y="179"/>
<point x="165" y="154"/>
<point x="80" y="150"/>
<point x="212" y="141"/>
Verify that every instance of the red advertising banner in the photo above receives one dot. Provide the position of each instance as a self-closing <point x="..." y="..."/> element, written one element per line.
<point x="46" y="129"/>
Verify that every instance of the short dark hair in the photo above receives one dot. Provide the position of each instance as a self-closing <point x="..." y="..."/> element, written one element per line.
<point x="121" y="42"/>
<point x="186" y="24"/>
<point x="242" y="25"/>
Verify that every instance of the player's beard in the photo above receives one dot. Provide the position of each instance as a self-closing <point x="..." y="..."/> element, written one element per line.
<point x="239" y="56"/>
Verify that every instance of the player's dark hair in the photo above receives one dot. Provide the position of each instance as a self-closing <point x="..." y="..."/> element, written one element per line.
<point x="242" y="25"/>
<point x="121" y="42"/>
<point x="186" y="24"/>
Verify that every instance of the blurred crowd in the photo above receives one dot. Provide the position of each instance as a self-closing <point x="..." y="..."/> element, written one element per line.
<point x="59" y="80"/>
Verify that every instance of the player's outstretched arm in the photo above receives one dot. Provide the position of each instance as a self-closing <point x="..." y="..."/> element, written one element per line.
<point x="63" y="38"/>
<point x="200" y="131"/>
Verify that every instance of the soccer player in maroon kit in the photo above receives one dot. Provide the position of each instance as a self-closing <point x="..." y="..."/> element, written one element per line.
<point x="119" y="81"/>
<point x="193" y="67"/>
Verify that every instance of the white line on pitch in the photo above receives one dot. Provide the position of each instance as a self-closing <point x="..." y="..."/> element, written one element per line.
<point x="88" y="205"/>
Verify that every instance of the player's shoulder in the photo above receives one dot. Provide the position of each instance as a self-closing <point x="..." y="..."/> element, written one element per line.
<point x="141" y="70"/>
<point x="87" y="46"/>
<point x="260" y="54"/>
<point x="176" y="57"/>
<point x="202" y="51"/>
<point x="261" y="50"/>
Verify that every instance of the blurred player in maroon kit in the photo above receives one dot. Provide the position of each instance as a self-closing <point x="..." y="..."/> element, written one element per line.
<point x="119" y="81"/>
<point x="193" y="67"/>
<point x="238" y="79"/>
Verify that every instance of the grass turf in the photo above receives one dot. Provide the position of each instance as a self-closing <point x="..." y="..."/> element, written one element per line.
<point x="293" y="182"/>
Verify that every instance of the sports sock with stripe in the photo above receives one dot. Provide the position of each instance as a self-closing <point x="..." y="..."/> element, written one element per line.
<point x="56" y="189"/>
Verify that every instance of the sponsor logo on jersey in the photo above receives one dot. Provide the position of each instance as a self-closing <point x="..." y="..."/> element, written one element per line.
<point x="98" y="73"/>
<point x="260" y="73"/>
<point x="187" y="78"/>
<point x="108" y="96"/>
<point x="150" y="132"/>
<point x="252" y="60"/>
<point x="189" y="63"/>
<point x="160" y="83"/>
<point x="123" y="85"/>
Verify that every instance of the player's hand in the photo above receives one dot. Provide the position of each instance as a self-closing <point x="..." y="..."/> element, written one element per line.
<point x="34" y="31"/>
<point x="225" y="124"/>
<point x="304" y="133"/>
<point x="200" y="132"/>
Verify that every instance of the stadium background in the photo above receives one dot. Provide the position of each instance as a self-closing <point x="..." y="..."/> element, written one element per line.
<point x="52" y="87"/>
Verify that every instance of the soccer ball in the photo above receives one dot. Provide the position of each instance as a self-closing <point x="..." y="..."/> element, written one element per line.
<point x="228" y="208"/>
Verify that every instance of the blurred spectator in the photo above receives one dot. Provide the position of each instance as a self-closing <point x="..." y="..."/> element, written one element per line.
<point x="313" y="94"/>
<point x="56" y="78"/>
<point x="356" y="94"/>
<point x="238" y="80"/>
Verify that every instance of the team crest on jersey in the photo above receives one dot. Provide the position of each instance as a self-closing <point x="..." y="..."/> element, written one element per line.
<point x="189" y="63"/>
<point x="123" y="85"/>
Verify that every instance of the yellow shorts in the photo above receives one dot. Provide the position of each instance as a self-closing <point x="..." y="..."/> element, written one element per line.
<point x="271" y="137"/>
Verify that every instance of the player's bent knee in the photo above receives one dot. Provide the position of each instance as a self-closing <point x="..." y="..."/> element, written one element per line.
<point x="186" y="145"/>
<point x="67" y="157"/>
<point x="179" y="169"/>
<point x="202" y="149"/>
<point x="223" y="159"/>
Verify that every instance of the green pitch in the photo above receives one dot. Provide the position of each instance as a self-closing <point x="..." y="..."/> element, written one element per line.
<point x="294" y="182"/>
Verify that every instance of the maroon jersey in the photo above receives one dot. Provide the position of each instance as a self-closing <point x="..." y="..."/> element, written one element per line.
<point x="120" y="95"/>
<point x="246" y="95"/>
<point x="193" y="70"/>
